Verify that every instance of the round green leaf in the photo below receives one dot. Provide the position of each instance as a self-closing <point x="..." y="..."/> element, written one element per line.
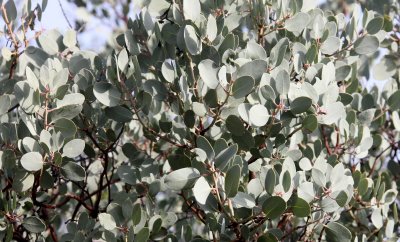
<point x="345" y="98"/>
<point x="305" y="164"/>
<point x="191" y="9"/>
<point x="131" y="43"/>
<point x="389" y="196"/>
<point x="242" y="86"/>
<point x="336" y="232"/>
<point x="23" y="181"/>
<point x="199" y="109"/>
<point x="300" y="207"/>
<point x="203" y="195"/>
<point x="107" y="221"/>
<point x="182" y="179"/>
<point x="330" y="45"/>
<point x="258" y="115"/>
<point x="155" y="223"/>
<point x="69" y="39"/>
<point x="143" y="235"/>
<point x="203" y="144"/>
<point x="375" y="25"/>
<point x="119" y="113"/>
<point x="268" y="92"/>
<point x="297" y="23"/>
<point x="341" y="199"/>
<point x="73" y="148"/>
<point x="66" y="127"/>
<point x="394" y="101"/>
<point x="208" y="71"/>
<point x="274" y="207"/>
<point x="212" y="28"/>
<point x="73" y="171"/>
<point x="235" y="125"/>
<point x="362" y="186"/>
<point x="222" y="159"/>
<point x="366" y="45"/>
<point x="255" y="69"/>
<point x="34" y="225"/>
<point x="136" y="214"/>
<point x="168" y="71"/>
<point x="106" y="93"/>
<point x="192" y="41"/>
<point x="342" y="72"/>
<point x="32" y="161"/>
<point x="48" y="43"/>
<point x="127" y="174"/>
<point x="278" y="52"/>
<point x="300" y="105"/>
<point x="211" y="98"/>
<point x="319" y="177"/>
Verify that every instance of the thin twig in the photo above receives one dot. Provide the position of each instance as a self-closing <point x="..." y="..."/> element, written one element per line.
<point x="65" y="15"/>
<point x="376" y="160"/>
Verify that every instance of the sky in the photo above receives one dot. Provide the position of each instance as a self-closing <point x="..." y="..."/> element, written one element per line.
<point x="96" y="33"/>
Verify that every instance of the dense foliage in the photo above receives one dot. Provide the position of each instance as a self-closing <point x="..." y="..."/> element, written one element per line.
<point x="211" y="120"/>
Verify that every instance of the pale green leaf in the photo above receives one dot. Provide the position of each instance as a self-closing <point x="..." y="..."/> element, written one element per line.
<point x="106" y="93"/>
<point x="192" y="41"/>
<point x="32" y="161"/>
<point x="366" y="45"/>
<point x="73" y="148"/>
<point x="107" y="221"/>
<point x="182" y="179"/>
<point x="258" y="115"/>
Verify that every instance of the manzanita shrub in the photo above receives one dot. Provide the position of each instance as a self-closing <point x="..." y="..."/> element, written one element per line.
<point x="211" y="120"/>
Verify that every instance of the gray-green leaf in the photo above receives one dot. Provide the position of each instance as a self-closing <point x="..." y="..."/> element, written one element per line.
<point x="32" y="161"/>
<point x="106" y="93"/>
<point x="242" y="86"/>
<point x="300" y="105"/>
<point x="73" y="171"/>
<point x="107" y="221"/>
<point x="375" y="25"/>
<point x="34" y="224"/>
<point x="336" y="232"/>
<point x="191" y="9"/>
<point x="208" y="71"/>
<point x="182" y="179"/>
<point x="232" y="181"/>
<point x="300" y="207"/>
<point x="73" y="148"/>
<point x="330" y="45"/>
<point x="273" y="207"/>
<point x="222" y="159"/>
<point x="192" y="41"/>
<point x="366" y="45"/>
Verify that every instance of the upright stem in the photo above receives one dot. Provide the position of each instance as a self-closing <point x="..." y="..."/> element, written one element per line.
<point x="46" y="110"/>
